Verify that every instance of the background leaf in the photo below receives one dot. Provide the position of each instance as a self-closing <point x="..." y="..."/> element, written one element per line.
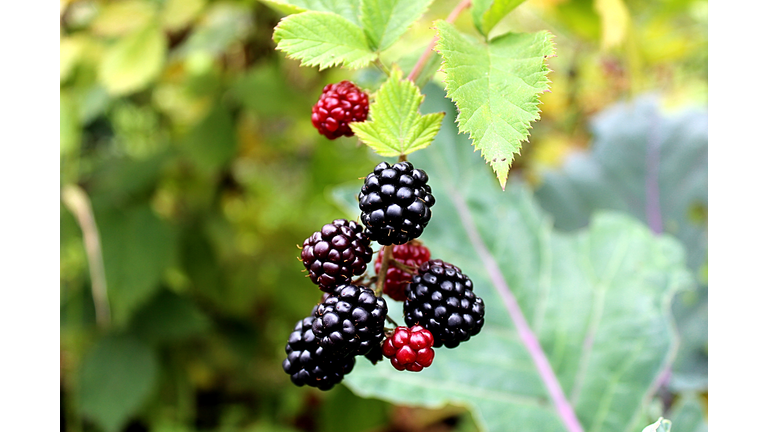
<point x="653" y="166"/>
<point x="323" y="39"/>
<point x="487" y="13"/>
<point x="496" y="88"/>
<point x="169" y="317"/>
<point x="598" y="301"/>
<point x="384" y="21"/>
<point x="349" y="9"/>
<point x="212" y="142"/>
<point x="394" y="126"/>
<point x="117" y="376"/>
<point x="137" y="248"/>
<point x="134" y="61"/>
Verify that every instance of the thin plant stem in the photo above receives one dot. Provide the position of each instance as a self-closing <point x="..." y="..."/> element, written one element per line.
<point x="422" y="61"/>
<point x="78" y="203"/>
<point x="382" y="275"/>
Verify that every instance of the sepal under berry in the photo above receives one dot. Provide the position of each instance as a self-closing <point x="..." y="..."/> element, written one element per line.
<point x="442" y="300"/>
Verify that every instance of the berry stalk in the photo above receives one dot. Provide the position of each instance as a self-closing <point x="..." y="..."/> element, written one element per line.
<point x="382" y="275"/>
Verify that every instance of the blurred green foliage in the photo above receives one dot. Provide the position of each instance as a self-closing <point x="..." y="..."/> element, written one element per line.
<point x="191" y="138"/>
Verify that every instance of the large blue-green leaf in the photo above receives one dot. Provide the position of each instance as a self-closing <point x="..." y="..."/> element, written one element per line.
<point x="653" y="166"/>
<point x="597" y="301"/>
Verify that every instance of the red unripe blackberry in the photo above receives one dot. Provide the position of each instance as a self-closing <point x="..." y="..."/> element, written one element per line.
<point x="395" y="202"/>
<point x="350" y="321"/>
<point x="339" y="105"/>
<point x="440" y="299"/>
<point x="409" y="348"/>
<point x="308" y="363"/>
<point x="411" y="254"/>
<point x="336" y="253"/>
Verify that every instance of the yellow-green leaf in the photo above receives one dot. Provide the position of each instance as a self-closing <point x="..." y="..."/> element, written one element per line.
<point x="134" y="61"/>
<point x="394" y="126"/>
<point x="323" y="39"/>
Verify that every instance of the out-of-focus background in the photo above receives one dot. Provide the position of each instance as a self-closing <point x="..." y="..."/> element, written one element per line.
<point x="187" y="137"/>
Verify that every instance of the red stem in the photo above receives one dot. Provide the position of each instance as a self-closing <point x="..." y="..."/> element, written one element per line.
<point x="427" y="52"/>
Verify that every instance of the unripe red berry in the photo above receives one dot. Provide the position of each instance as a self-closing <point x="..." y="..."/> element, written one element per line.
<point x="340" y="104"/>
<point x="412" y="254"/>
<point x="409" y="348"/>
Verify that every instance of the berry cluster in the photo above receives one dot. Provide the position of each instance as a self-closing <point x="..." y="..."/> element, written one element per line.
<point x="440" y="309"/>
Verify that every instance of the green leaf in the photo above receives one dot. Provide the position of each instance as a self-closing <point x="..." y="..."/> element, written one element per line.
<point x="212" y="142"/>
<point x="169" y="317"/>
<point x="117" y="376"/>
<point x="384" y="21"/>
<point x="134" y="61"/>
<point x="349" y="9"/>
<point x="323" y="39"/>
<point x="394" y="126"/>
<point x="496" y="87"/>
<point x="137" y="248"/>
<point x="597" y="300"/>
<point x="687" y="414"/>
<point x="487" y="13"/>
<point x="660" y="425"/>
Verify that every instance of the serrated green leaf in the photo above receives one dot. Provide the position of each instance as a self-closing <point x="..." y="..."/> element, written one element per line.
<point x="487" y="13"/>
<point x="323" y="39"/>
<point x="597" y="301"/>
<point x="384" y="21"/>
<point x="349" y="9"/>
<point x="134" y="61"/>
<point x="116" y="377"/>
<point x="394" y="126"/>
<point x="496" y="87"/>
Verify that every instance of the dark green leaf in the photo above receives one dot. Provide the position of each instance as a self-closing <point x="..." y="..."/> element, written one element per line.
<point x="137" y="248"/>
<point x="117" y="376"/>
<point x="169" y="317"/>
<point x="212" y="142"/>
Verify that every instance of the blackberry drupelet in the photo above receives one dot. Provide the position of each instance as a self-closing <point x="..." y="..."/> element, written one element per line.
<point x="411" y="254"/>
<point x="409" y="348"/>
<point x="336" y="253"/>
<point x="395" y="202"/>
<point x="350" y="321"/>
<point x="308" y="363"/>
<point x="340" y="104"/>
<point x="440" y="298"/>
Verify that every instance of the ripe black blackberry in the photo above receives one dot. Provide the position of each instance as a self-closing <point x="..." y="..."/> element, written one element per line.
<point x="440" y="299"/>
<point x="339" y="105"/>
<point x="350" y="321"/>
<point x="395" y="202"/>
<point x="308" y="363"/>
<point x="336" y="253"/>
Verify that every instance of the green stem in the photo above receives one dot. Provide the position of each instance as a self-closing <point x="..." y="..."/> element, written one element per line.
<point x="382" y="275"/>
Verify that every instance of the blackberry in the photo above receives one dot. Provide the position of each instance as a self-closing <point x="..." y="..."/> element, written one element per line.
<point x="308" y="363"/>
<point x="440" y="298"/>
<point x="409" y="348"/>
<point x="411" y="254"/>
<point x="350" y="321"/>
<point x="339" y="105"/>
<point x="395" y="202"/>
<point x="336" y="253"/>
